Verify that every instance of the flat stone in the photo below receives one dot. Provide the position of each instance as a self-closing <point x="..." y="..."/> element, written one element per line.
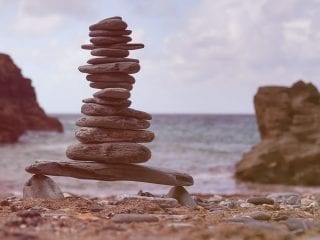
<point x="40" y="186"/>
<point x="116" y="122"/>
<point x="162" y="202"/>
<point x="110" y="60"/>
<point x="102" y="135"/>
<point x="109" y="24"/>
<point x="111" y="77"/>
<point x="88" y="46"/>
<point x="182" y="196"/>
<point x="123" y="103"/>
<point x="110" y="40"/>
<point x="111" y="172"/>
<point x="103" y="85"/>
<point x="93" y="109"/>
<point x="128" y="46"/>
<point x="113" y="93"/>
<point x="260" y="215"/>
<point x="125" y="67"/>
<point x="106" y="33"/>
<point x="118" y="152"/>
<point x="110" y="52"/>
<point x="260" y="200"/>
<point x="133" y="217"/>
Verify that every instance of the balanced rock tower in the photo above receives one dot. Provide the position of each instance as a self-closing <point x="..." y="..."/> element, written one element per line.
<point x="110" y="134"/>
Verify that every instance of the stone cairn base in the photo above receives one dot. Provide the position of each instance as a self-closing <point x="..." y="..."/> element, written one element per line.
<point x="110" y="133"/>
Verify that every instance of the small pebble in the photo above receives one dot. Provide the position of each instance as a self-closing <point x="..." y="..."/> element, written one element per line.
<point x="259" y="215"/>
<point x="260" y="200"/>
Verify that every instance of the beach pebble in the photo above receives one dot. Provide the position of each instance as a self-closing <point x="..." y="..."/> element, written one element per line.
<point x="162" y="202"/>
<point x="289" y="198"/>
<point x="129" y="218"/>
<point x="259" y="215"/>
<point x="294" y="224"/>
<point x="280" y="216"/>
<point x="124" y="67"/>
<point x="246" y="205"/>
<point x="182" y="196"/>
<point x="260" y="200"/>
<point x="40" y="186"/>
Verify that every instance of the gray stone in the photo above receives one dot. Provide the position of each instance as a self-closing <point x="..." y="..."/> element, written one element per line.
<point x="110" y="52"/>
<point x="259" y="215"/>
<point x="40" y="186"/>
<point x="111" y="172"/>
<point x="124" y="67"/>
<point x="133" y="217"/>
<point x="119" y="103"/>
<point x="289" y="198"/>
<point x="260" y="200"/>
<point x="103" y="85"/>
<point x="116" y="122"/>
<point x="113" y="93"/>
<point x="118" y="152"/>
<point x="182" y="196"/>
<point x="102" y="135"/>
<point x="111" y="77"/>
<point x="110" y="60"/>
<point x="92" y="109"/>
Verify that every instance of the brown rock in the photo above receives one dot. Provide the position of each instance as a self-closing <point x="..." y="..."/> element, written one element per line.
<point x="109" y="52"/>
<point x="124" y="67"/>
<point x="105" y="33"/>
<point x="113" y="93"/>
<point x="128" y="46"/>
<point x="88" y="46"/>
<point x="289" y="123"/>
<point x="111" y="172"/>
<point x="182" y="196"/>
<point x="110" y="60"/>
<point x="19" y="109"/>
<point x="133" y="217"/>
<point x="109" y="24"/>
<point x="103" y="85"/>
<point x="111" y="77"/>
<point x="92" y="109"/>
<point x="123" y="103"/>
<point x="102" y="135"/>
<point x="116" y="122"/>
<point x="118" y="152"/>
<point x="110" y="40"/>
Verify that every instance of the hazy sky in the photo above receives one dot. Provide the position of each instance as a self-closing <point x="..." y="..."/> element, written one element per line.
<point x="201" y="56"/>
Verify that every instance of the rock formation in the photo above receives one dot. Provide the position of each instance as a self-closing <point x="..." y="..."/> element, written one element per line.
<point x="19" y="110"/>
<point x="289" y="123"/>
<point x="111" y="133"/>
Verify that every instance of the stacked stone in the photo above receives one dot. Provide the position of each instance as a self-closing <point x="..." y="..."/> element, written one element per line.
<point x="111" y="133"/>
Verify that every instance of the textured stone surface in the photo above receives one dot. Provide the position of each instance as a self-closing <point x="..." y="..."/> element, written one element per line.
<point x="101" y="135"/>
<point x="113" y="93"/>
<point x="125" y="67"/>
<point x="110" y="52"/>
<point x="162" y="201"/>
<point x="117" y="122"/>
<point x="103" y="85"/>
<point x="120" y="103"/>
<point x="289" y="124"/>
<point x="93" y="109"/>
<point x="119" y="152"/>
<point x="102" y="33"/>
<point x="19" y="109"/>
<point x="133" y="217"/>
<point x="110" y="40"/>
<point x="111" y="172"/>
<point x="182" y="196"/>
<point x="40" y="186"/>
<point x="109" y="24"/>
<point x="110" y="60"/>
<point x="111" y="77"/>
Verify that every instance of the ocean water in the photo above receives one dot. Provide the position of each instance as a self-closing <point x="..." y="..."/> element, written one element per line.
<point x="204" y="146"/>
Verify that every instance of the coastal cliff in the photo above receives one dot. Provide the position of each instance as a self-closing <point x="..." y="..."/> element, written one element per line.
<point x="19" y="109"/>
<point x="288" y="119"/>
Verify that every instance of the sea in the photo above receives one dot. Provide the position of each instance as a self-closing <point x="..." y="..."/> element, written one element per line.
<point x="205" y="146"/>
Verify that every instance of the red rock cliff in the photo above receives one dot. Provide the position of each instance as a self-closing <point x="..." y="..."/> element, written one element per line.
<point x="19" y="110"/>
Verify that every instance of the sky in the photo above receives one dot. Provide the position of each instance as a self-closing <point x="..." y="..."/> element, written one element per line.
<point x="200" y="56"/>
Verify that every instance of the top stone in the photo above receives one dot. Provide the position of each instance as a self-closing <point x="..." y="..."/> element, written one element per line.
<point x="114" y="23"/>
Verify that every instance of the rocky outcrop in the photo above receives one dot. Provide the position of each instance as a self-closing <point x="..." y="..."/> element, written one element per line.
<point x="19" y="110"/>
<point x="289" y="123"/>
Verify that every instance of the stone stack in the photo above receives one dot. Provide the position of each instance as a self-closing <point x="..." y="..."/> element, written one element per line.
<point x="111" y="133"/>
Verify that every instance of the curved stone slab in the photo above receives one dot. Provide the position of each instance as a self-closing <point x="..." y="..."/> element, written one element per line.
<point x="110" y="52"/>
<point x="103" y="85"/>
<point x="125" y="67"/>
<point x="111" y="77"/>
<point x="113" y="93"/>
<point x="111" y="172"/>
<point x="109" y="59"/>
<point x="106" y="33"/>
<point x="109" y="24"/>
<point x="110" y="40"/>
